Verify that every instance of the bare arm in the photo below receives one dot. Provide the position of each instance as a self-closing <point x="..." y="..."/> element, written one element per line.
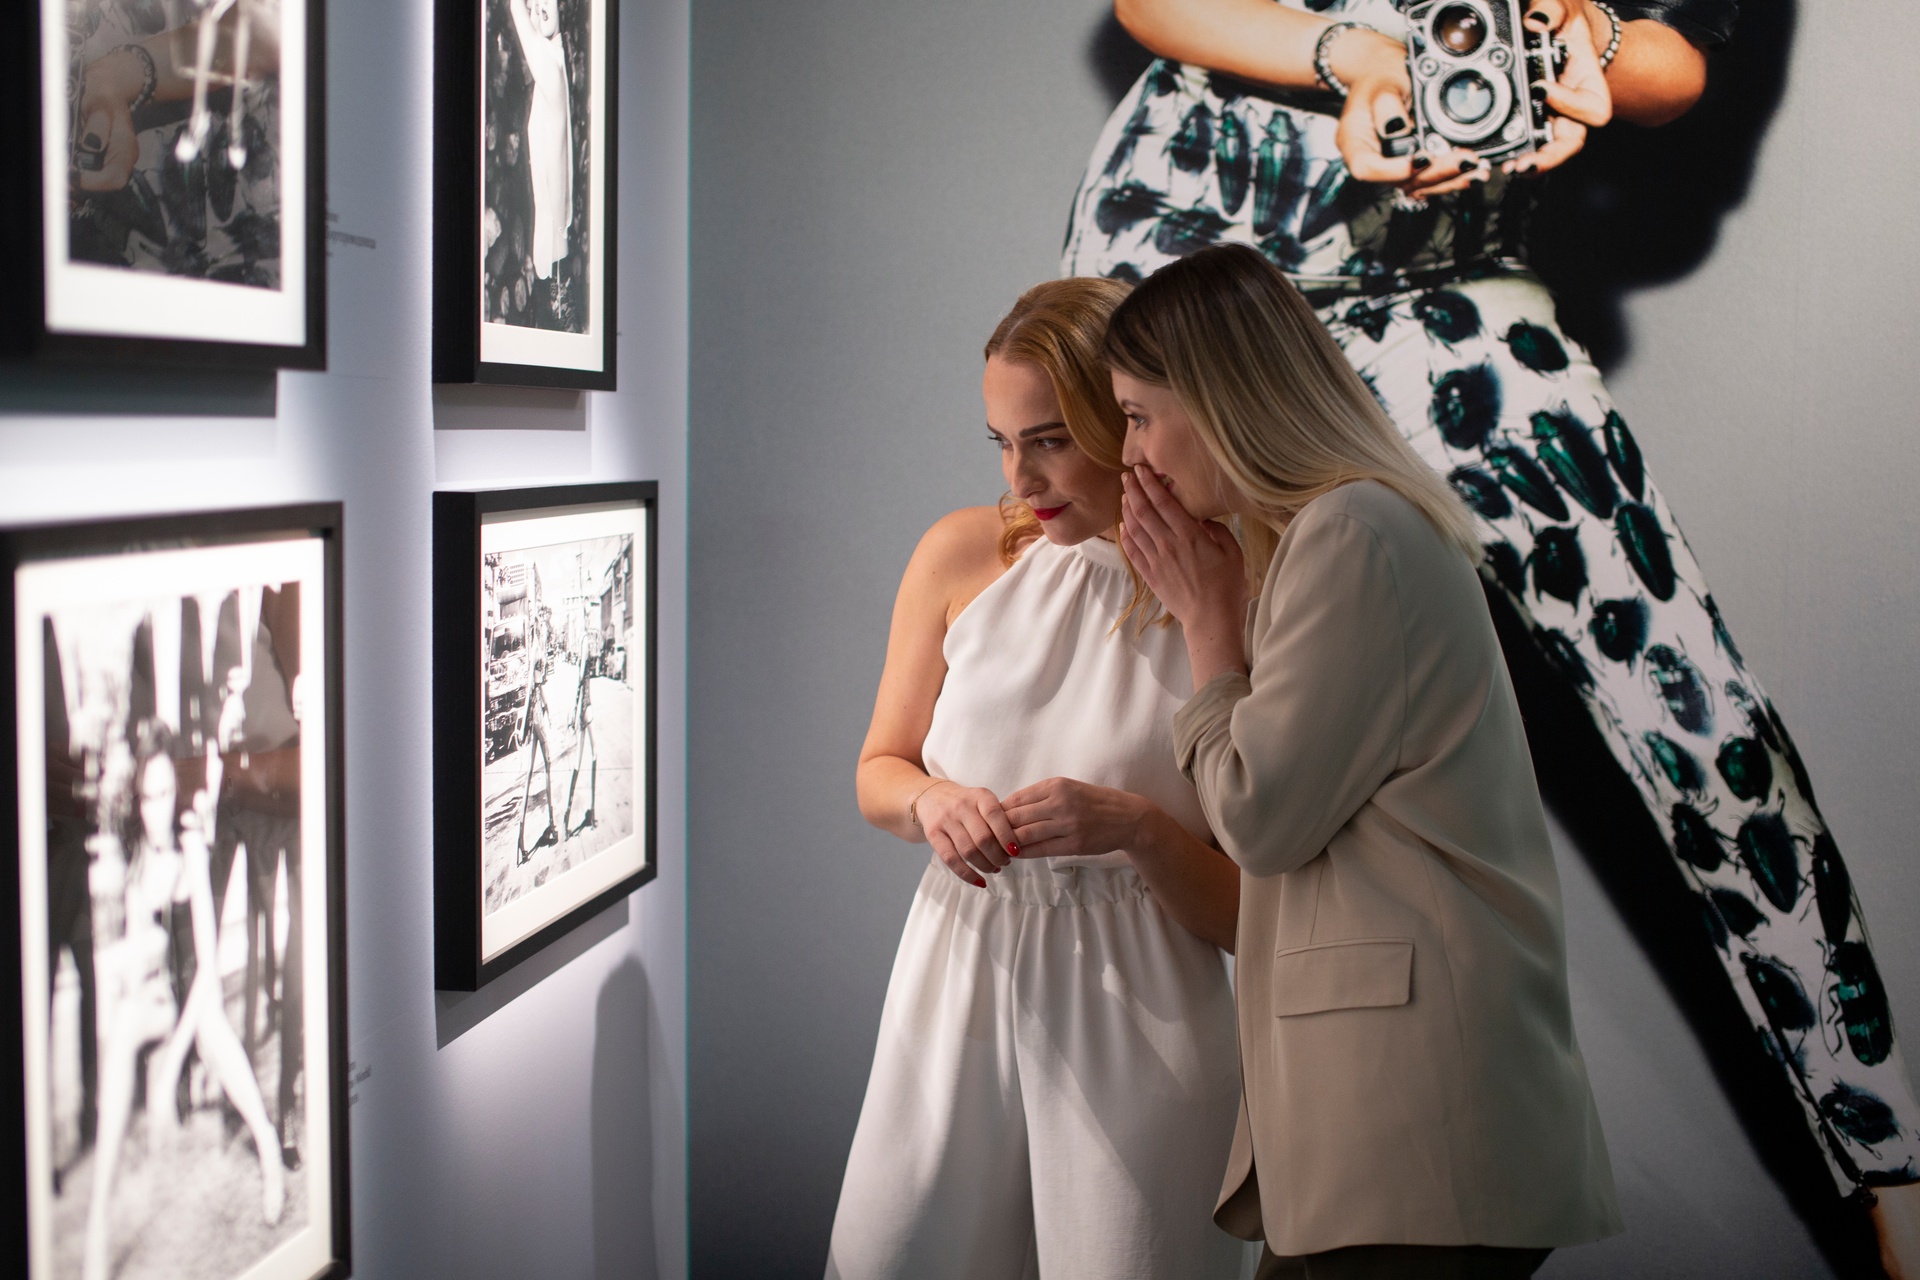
<point x="1657" y="75"/>
<point x="1195" y="883"/>
<point x="112" y="82"/>
<point x="1253" y="39"/>
<point x="523" y="28"/>
<point x="954" y="562"/>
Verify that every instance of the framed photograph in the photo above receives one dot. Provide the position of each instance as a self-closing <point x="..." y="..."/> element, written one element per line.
<point x="177" y="1026"/>
<point x="524" y="110"/>
<point x="544" y="606"/>
<point x="174" y="207"/>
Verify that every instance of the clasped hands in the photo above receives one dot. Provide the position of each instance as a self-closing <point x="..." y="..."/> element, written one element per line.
<point x="975" y="833"/>
<point x="1373" y="66"/>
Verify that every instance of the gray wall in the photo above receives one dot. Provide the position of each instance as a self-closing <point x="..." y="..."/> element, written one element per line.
<point x="872" y="184"/>
<point x="535" y="1128"/>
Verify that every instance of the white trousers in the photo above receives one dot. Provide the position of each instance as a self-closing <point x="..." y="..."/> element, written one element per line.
<point x="1053" y="1092"/>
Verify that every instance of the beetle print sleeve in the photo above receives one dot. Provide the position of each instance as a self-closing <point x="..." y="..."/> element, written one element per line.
<point x="1282" y="758"/>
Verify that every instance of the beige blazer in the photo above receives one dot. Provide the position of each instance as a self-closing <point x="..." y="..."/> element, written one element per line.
<point x="1406" y="1042"/>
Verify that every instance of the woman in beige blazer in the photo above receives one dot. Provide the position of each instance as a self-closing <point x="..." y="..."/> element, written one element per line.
<point x="1415" y="1101"/>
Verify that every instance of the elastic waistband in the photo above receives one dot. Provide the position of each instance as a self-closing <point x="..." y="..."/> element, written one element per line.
<point x="1041" y="882"/>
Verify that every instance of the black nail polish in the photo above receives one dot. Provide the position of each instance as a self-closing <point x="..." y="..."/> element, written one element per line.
<point x="1394" y="126"/>
<point x="1470" y="163"/>
<point x="1538" y="20"/>
<point x="92" y="142"/>
<point x="1420" y="162"/>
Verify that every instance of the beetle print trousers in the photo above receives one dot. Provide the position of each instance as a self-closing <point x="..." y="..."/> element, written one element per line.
<point x="1053" y="1091"/>
<point x="1580" y="540"/>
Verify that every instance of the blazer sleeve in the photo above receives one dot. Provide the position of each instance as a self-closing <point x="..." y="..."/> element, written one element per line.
<point x="1284" y="757"/>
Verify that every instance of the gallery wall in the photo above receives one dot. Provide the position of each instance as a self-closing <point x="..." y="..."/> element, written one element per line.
<point x="873" y="183"/>
<point x="536" y="1127"/>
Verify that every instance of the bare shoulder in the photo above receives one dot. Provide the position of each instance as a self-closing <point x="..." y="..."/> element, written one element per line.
<point x="963" y="538"/>
<point x="957" y="559"/>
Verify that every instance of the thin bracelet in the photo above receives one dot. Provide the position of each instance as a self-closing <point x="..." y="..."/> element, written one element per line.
<point x="913" y="805"/>
<point x="150" y="75"/>
<point x="1322" y="68"/>
<point x="1613" y="45"/>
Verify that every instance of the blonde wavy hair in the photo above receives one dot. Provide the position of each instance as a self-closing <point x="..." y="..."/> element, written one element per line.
<point x="1058" y="328"/>
<point x="1270" y="393"/>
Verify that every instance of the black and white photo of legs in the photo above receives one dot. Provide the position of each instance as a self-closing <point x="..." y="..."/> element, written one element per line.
<point x="559" y="704"/>
<point x="174" y="911"/>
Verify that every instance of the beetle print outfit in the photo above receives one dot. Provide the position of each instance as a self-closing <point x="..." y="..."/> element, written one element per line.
<point x="1437" y="310"/>
<point x="1056" y="1077"/>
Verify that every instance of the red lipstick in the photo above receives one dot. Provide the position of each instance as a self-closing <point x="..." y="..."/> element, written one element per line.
<point x="1048" y="513"/>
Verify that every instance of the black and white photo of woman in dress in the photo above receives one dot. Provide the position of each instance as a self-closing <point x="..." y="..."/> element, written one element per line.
<point x="534" y="220"/>
<point x="176" y="1063"/>
<point x="175" y="162"/>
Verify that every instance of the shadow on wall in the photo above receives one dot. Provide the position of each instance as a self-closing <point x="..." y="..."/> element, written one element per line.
<point x="1597" y="804"/>
<point x="1637" y="207"/>
<point x="1642" y="207"/>
<point x="624" y="1243"/>
<point x="1116" y="58"/>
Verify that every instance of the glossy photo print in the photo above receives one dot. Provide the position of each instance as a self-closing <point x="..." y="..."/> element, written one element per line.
<point x="1453" y="307"/>
<point x="178" y="918"/>
<point x="181" y="191"/>
<point x="561" y="732"/>
<point x="526" y="118"/>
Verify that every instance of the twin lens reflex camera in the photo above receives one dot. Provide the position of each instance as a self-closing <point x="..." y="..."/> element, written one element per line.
<point x="1479" y="79"/>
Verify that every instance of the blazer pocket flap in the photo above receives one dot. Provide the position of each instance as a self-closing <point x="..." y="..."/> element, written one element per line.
<point x="1358" y="973"/>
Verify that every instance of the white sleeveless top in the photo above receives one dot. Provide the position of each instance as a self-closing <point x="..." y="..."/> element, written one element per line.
<point x="1041" y="684"/>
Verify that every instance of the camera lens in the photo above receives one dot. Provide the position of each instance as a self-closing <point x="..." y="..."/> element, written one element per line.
<point x="1460" y="29"/>
<point x="1467" y="97"/>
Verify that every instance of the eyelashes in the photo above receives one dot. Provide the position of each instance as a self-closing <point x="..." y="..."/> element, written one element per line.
<point x="1045" y="444"/>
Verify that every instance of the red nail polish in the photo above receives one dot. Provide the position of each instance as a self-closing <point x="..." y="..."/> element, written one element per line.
<point x="1013" y="851"/>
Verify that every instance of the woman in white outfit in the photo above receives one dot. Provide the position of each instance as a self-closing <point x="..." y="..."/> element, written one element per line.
<point x="1056" y="1079"/>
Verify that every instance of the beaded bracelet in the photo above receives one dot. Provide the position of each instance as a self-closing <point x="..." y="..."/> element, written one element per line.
<point x="150" y="75"/>
<point x="1613" y="44"/>
<point x="1322" y="68"/>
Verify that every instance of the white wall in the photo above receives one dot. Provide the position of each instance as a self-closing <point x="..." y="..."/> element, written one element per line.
<point x="873" y="183"/>
<point x="537" y="1127"/>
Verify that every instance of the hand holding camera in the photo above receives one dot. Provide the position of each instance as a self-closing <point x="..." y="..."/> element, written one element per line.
<point x="1478" y="83"/>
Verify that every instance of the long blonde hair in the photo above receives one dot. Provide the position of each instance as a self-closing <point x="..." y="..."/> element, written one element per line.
<point x="1058" y="327"/>
<point x="1269" y="391"/>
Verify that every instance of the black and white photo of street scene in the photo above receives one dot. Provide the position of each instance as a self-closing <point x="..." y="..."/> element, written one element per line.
<point x="174" y="870"/>
<point x="176" y="154"/>
<point x="557" y="775"/>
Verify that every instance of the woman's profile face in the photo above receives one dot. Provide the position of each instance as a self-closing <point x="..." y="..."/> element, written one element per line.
<point x="157" y="788"/>
<point x="1161" y="436"/>
<point x="1074" y="497"/>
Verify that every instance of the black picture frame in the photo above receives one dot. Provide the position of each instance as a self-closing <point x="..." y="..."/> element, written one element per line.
<point x="62" y="309"/>
<point x="218" y="552"/>
<point x="475" y="338"/>
<point x="475" y="889"/>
